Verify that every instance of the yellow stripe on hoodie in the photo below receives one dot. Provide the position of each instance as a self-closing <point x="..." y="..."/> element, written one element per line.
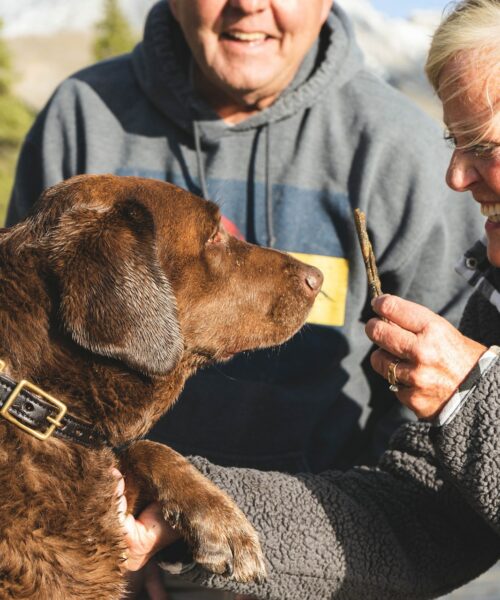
<point x="329" y="307"/>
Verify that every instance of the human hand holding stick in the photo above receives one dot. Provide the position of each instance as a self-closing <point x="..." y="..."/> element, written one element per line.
<point x="422" y="379"/>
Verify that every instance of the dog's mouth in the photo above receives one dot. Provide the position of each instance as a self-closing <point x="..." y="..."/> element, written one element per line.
<point x="207" y="357"/>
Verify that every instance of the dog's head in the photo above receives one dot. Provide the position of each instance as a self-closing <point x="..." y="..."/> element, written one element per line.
<point x="146" y="273"/>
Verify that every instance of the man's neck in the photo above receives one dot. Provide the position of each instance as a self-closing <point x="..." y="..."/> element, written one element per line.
<point x="231" y="108"/>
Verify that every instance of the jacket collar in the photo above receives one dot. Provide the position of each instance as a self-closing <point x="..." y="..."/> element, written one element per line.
<point x="475" y="267"/>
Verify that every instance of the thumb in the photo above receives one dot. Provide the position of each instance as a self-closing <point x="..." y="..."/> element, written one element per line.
<point x="145" y="535"/>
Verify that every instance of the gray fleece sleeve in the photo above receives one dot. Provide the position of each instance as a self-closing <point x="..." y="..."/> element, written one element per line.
<point x="468" y="448"/>
<point x="399" y="531"/>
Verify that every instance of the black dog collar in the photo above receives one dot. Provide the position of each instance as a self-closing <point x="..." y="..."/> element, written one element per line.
<point x="41" y="415"/>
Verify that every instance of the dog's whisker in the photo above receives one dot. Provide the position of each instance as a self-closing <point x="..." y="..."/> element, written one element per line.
<point x="225" y="375"/>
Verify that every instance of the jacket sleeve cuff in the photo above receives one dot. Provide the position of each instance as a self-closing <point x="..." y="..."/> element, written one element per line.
<point x="460" y="397"/>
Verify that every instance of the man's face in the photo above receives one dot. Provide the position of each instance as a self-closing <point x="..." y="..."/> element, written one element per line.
<point x="249" y="50"/>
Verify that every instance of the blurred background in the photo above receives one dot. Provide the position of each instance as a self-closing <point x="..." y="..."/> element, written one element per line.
<point x="44" y="41"/>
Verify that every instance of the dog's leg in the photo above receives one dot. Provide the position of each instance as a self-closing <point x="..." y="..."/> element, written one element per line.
<point x="221" y="538"/>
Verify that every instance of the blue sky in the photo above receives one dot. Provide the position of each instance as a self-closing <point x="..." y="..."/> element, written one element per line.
<point x="402" y="8"/>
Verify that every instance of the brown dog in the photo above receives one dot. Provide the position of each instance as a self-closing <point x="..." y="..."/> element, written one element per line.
<point x="112" y="293"/>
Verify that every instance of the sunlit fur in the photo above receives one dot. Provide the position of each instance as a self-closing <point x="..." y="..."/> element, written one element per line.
<point x="113" y="292"/>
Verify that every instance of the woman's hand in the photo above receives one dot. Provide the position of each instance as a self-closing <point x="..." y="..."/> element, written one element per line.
<point x="144" y="535"/>
<point x="434" y="357"/>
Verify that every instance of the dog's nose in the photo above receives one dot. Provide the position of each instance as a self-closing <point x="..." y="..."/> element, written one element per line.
<point x="313" y="280"/>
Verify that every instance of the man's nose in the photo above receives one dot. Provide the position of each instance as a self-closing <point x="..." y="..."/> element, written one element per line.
<point x="461" y="173"/>
<point x="249" y="6"/>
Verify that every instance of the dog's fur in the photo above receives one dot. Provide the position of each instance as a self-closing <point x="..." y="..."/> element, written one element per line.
<point x="112" y="293"/>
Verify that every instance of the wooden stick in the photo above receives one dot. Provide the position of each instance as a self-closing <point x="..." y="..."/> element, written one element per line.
<point x="374" y="286"/>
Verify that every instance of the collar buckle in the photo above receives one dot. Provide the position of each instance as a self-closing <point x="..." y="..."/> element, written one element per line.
<point x="26" y="385"/>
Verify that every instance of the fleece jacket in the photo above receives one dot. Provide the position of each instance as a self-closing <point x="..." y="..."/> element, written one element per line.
<point x="423" y="522"/>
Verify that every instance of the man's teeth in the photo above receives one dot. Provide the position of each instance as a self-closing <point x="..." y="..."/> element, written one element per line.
<point x="491" y="210"/>
<point x="247" y="37"/>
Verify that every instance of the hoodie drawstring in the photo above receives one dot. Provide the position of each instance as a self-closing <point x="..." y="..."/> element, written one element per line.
<point x="199" y="161"/>
<point x="271" y="238"/>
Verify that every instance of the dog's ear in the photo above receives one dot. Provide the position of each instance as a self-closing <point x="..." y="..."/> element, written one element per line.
<point x="115" y="298"/>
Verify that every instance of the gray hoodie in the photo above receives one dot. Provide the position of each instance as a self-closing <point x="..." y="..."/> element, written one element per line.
<point x="290" y="176"/>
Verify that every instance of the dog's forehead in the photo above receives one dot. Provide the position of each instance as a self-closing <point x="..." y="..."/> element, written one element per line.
<point x="183" y="220"/>
<point x="175" y="211"/>
<point x="178" y="209"/>
<point x="103" y="191"/>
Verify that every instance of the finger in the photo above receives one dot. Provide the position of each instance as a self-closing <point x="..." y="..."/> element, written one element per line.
<point x="116" y="473"/>
<point x="146" y="535"/>
<point x="381" y="361"/>
<point x="408" y="315"/>
<point x="120" y="482"/>
<point x="120" y="494"/>
<point x="139" y="549"/>
<point x="157" y="528"/>
<point x="391" y="338"/>
<point x="122" y="509"/>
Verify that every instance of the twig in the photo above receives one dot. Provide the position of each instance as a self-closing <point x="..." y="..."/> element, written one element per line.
<point x="374" y="286"/>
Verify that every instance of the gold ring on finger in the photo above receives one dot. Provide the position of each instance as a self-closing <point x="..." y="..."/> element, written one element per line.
<point x="392" y="377"/>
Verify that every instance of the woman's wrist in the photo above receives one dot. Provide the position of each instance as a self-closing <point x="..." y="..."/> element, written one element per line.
<point x="451" y="408"/>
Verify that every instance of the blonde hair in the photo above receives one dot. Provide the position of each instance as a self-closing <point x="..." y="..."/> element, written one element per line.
<point x="468" y="36"/>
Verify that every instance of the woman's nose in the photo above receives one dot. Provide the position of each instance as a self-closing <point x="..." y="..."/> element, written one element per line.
<point x="461" y="173"/>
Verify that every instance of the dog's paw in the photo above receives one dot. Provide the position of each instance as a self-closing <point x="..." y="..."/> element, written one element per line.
<point x="230" y="546"/>
<point x="221" y="538"/>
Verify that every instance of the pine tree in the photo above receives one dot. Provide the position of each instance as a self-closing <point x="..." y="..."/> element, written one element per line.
<point x="113" y="33"/>
<point x="5" y="66"/>
<point x="15" y="119"/>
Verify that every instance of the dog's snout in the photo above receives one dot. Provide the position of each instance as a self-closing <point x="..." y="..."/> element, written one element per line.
<point x="313" y="279"/>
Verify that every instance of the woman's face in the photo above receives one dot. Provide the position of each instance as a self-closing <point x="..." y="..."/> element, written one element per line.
<point x="476" y="168"/>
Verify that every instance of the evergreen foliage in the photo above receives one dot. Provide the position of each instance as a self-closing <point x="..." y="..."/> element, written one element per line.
<point x="113" y="33"/>
<point x="15" y="120"/>
<point x="5" y="66"/>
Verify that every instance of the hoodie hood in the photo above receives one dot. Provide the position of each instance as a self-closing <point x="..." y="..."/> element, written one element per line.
<point x="162" y="66"/>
